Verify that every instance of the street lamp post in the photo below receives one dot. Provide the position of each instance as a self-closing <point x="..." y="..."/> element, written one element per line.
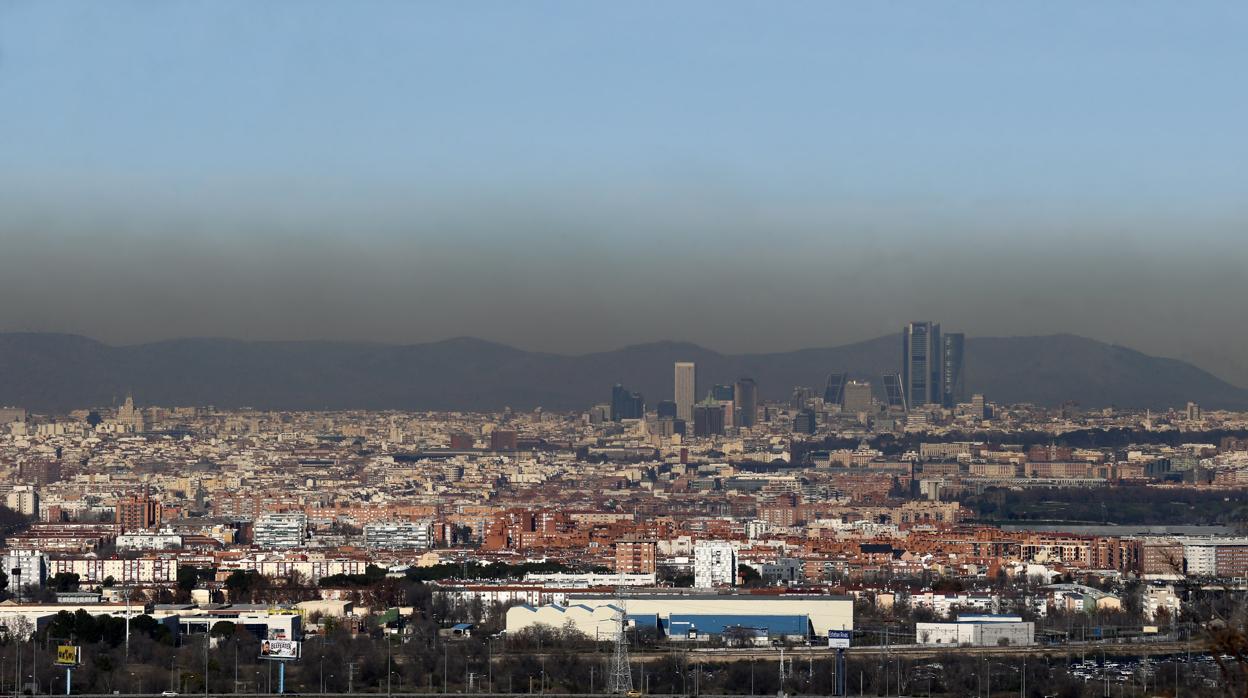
<point x="489" y="653"/>
<point x="126" y="590"/>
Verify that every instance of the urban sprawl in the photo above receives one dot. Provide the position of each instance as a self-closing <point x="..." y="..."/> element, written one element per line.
<point x="886" y="534"/>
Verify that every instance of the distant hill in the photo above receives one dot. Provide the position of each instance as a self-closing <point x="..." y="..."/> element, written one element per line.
<point x="58" y="372"/>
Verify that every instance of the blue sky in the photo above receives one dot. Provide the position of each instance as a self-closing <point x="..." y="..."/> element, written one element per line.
<point x="747" y="175"/>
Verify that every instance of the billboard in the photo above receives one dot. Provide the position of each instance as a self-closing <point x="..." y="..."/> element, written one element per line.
<point x="68" y="655"/>
<point x="839" y="638"/>
<point x="279" y="649"/>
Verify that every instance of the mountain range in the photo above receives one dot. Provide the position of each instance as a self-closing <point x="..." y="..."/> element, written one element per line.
<point x="46" y="372"/>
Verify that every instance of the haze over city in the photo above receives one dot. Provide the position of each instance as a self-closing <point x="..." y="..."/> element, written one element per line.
<point x="571" y="178"/>
<point x="619" y="350"/>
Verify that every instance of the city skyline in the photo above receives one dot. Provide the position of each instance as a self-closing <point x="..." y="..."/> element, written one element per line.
<point x="1014" y="171"/>
<point x="62" y="372"/>
<point x="623" y="350"/>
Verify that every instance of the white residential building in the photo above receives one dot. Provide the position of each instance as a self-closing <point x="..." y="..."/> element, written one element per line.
<point x="1159" y="598"/>
<point x="583" y="580"/>
<point x="398" y="535"/>
<point x="281" y="530"/>
<point x="139" y="570"/>
<point x="714" y="564"/>
<point x="24" y="500"/>
<point x="25" y="568"/>
<point x="312" y="569"/>
<point x="149" y="540"/>
<point x="944" y="605"/>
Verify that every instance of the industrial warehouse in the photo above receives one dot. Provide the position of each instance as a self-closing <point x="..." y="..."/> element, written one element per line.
<point x="748" y="618"/>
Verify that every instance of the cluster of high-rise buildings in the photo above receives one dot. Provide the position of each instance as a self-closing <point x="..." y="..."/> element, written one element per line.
<point x="931" y="365"/>
<point x="930" y="375"/>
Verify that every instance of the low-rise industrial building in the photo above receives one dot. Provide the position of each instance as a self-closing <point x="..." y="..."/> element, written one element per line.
<point x="742" y="629"/>
<point x="599" y="623"/>
<point x="262" y="620"/>
<point x="977" y="631"/>
<point x="824" y="612"/>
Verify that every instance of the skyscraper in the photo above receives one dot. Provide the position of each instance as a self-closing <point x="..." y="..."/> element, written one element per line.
<point x="951" y="384"/>
<point x="129" y="415"/>
<point x="800" y="396"/>
<point x="723" y="395"/>
<point x="921" y="365"/>
<point x="894" y="393"/>
<point x="626" y="405"/>
<point x="745" y="395"/>
<point x="805" y="421"/>
<point x="834" y="394"/>
<point x="708" y="419"/>
<point x="686" y="389"/>
<point x="857" y="397"/>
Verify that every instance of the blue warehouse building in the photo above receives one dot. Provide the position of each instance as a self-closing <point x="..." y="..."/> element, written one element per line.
<point x="685" y="626"/>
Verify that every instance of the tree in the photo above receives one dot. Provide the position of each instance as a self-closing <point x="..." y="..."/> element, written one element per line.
<point x="749" y="576"/>
<point x="188" y="577"/>
<point x="223" y="628"/>
<point x="64" y="581"/>
<point x="245" y="584"/>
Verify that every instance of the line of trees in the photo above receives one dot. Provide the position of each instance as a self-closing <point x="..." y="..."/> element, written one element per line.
<point x="1123" y="504"/>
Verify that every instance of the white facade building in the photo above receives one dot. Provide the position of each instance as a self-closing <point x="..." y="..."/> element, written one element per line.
<point x="25" y="568"/>
<point x="945" y="604"/>
<point x="23" y="620"/>
<point x="281" y="530"/>
<point x="24" y="500"/>
<point x="148" y="540"/>
<point x="141" y="570"/>
<point x="977" y="631"/>
<point x="1161" y="598"/>
<point x="824" y="612"/>
<point x="592" y="579"/>
<point x="1200" y="558"/>
<point x="714" y="564"/>
<point x="398" y="535"/>
<point x="598" y="623"/>
<point x="311" y="569"/>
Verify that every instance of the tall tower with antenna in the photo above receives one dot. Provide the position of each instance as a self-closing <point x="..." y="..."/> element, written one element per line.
<point x="621" y="679"/>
